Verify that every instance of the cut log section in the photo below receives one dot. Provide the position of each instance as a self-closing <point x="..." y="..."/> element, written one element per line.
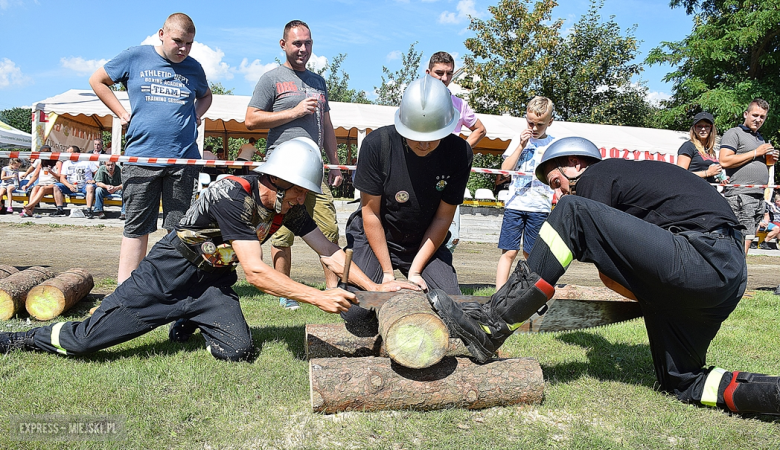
<point x="56" y="295"/>
<point x="331" y="340"/>
<point x="6" y="270"/>
<point x="413" y="335"/>
<point x="14" y="289"/>
<point x="378" y="384"/>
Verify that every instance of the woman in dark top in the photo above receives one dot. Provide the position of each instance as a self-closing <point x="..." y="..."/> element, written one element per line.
<point x="698" y="154"/>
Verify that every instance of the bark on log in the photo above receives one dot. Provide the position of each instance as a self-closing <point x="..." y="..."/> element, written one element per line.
<point x="331" y="340"/>
<point x="6" y="270"/>
<point x="55" y="296"/>
<point x="14" y="289"/>
<point x="378" y="384"/>
<point x="413" y="335"/>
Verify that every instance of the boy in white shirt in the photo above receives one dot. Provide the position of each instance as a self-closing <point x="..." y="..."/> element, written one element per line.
<point x="530" y="200"/>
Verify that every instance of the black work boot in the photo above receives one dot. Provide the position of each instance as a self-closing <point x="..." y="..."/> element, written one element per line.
<point x="17" y="341"/>
<point x="484" y="328"/>
<point x="753" y="393"/>
<point x="181" y="330"/>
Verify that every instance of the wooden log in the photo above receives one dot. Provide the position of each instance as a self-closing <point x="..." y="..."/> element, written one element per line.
<point x="6" y="270"/>
<point x="413" y="335"/>
<point x="331" y="340"/>
<point x="14" y="289"/>
<point x="377" y="384"/>
<point x="56" y="295"/>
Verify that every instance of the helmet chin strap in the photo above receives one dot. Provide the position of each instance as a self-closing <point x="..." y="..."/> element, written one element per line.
<point x="572" y="181"/>
<point x="279" y="196"/>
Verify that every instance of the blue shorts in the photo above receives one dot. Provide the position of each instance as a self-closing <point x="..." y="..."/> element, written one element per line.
<point x="65" y="190"/>
<point x="520" y="225"/>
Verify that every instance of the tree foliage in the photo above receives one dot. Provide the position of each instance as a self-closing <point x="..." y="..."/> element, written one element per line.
<point x="519" y="53"/>
<point x="19" y="118"/>
<point x="731" y="56"/>
<point x="217" y="89"/>
<point x="509" y="53"/>
<point x="391" y="90"/>
<point x="337" y="82"/>
<point x="590" y="72"/>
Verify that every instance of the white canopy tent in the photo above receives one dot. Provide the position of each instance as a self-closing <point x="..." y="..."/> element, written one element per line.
<point x="10" y="137"/>
<point x="353" y="121"/>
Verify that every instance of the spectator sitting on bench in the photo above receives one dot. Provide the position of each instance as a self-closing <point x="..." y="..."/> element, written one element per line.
<point x="77" y="177"/>
<point x="9" y="182"/>
<point x="108" y="181"/>
<point x="46" y="173"/>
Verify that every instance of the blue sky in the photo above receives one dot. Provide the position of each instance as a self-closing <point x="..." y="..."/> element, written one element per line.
<point x="51" y="46"/>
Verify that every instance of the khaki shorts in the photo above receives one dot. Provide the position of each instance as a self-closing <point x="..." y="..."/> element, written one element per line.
<point x="322" y="210"/>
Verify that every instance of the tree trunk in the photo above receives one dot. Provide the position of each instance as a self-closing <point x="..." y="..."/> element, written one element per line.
<point x="55" y="296"/>
<point x="330" y="340"/>
<point x="377" y="384"/>
<point x="413" y="335"/>
<point x="6" y="270"/>
<point x="14" y="289"/>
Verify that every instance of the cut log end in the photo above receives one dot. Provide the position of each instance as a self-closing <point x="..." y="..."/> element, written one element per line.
<point x="418" y="343"/>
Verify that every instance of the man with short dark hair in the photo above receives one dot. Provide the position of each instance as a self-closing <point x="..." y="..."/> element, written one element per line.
<point x="291" y="101"/>
<point x="442" y="66"/>
<point x="746" y="156"/>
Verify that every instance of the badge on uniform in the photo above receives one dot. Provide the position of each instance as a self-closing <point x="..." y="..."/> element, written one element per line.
<point x="402" y="196"/>
<point x="442" y="183"/>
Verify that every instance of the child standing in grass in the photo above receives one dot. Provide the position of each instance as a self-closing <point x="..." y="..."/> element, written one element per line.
<point x="9" y="182"/>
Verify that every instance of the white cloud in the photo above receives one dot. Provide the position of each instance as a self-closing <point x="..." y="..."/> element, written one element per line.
<point x="316" y="62"/>
<point x="11" y="75"/>
<point x="210" y="59"/>
<point x="655" y="98"/>
<point x="151" y="40"/>
<point x="254" y="70"/>
<point x="465" y="9"/>
<point x="82" y="66"/>
<point x="395" y="54"/>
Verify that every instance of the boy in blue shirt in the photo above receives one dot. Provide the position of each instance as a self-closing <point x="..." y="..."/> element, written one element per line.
<point x="168" y="95"/>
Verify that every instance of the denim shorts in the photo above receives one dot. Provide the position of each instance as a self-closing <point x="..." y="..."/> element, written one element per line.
<point x="520" y="225"/>
<point x="145" y="186"/>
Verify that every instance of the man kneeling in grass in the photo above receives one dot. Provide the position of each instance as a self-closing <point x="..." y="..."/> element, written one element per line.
<point x="657" y="234"/>
<point x="187" y="276"/>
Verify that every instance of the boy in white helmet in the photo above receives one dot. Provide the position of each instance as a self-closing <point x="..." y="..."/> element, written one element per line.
<point x="411" y="177"/>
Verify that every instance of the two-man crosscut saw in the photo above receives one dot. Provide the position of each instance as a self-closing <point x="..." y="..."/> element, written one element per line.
<point x="572" y="308"/>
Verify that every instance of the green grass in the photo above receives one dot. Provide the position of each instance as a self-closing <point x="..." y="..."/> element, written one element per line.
<point x="599" y="392"/>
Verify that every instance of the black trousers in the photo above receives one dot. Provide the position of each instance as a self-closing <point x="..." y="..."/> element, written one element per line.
<point x="438" y="273"/>
<point x="163" y="288"/>
<point x="687" y="283"/>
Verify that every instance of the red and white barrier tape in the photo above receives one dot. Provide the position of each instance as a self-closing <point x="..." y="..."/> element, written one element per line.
<point x="218" y="162"/>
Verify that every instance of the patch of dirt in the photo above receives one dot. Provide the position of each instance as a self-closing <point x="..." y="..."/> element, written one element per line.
<point x="96" y="249"/>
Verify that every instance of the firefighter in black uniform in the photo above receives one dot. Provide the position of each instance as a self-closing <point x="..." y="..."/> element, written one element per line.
<point x="188" y="274"/>
<point x="656" y="234"/>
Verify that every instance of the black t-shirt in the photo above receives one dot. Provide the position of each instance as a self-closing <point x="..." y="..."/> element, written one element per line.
<point x="698" y="162"/>
<point x="226" y="211"/>
<point x="411" y="187"/>
<point x="657" y="192"/>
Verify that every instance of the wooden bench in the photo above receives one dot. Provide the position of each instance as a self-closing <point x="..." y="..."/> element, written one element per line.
<point x="75" y="199"/>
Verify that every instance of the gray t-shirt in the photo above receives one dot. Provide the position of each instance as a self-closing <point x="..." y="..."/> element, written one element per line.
<point x="741" y="140"/>
<point x="283" y="88"/>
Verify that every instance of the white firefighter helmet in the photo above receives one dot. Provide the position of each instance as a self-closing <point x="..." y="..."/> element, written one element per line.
<point x="426" y="112"/>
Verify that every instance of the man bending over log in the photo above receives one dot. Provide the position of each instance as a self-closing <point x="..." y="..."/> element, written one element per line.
<point x="189" y="273"/>
<point x="656" y="234"/>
